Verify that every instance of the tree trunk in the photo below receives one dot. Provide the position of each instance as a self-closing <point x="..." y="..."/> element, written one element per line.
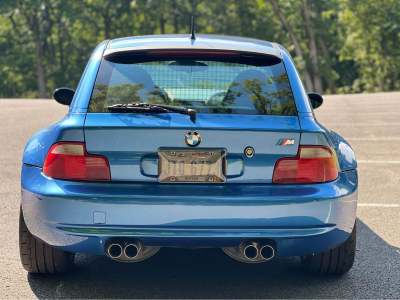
<point x="39" y="58"/>
<point x="15" y="25"/>
<point x="331" y="82"/>
<point x="313" y="54"/>
<point x="297" y="48"/>
<point x="107" y="27"/>
<point x="175" y="14"/>
<point x="63" y="70"/>
<point x="162" y="23"/>
<point x="107" y="22"/>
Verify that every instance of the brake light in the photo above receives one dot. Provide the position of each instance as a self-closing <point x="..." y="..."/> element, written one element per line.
<point x="312" y="164"/>
<point x="199" y="53"/>
<point x="71" y="161"/>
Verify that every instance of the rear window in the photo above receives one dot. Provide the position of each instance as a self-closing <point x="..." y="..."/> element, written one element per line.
<point x="209" y="85"/>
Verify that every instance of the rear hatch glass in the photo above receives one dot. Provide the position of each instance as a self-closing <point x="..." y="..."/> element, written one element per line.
<point x="242" y="85"/>
<point x="241" y="101"/>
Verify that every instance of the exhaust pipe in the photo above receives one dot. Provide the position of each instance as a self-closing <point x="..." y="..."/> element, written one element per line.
<point x="267" y="252"/>
<point x="131" y="251"/>
<point x="250" y="252"/>
<point x="253" y="251"/>
<point x="127" y="249"/>
<point x="114" y="250"/>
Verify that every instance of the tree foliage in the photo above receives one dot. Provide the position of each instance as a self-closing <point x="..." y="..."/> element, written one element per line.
<point x="340" y="46"/>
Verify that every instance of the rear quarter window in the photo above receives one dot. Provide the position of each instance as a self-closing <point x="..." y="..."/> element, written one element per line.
<point x="210" y="86"/>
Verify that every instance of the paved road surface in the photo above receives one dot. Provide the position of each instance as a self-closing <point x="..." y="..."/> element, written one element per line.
<point x="370" y="122"/>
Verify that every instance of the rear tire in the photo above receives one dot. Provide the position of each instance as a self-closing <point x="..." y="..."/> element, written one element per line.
<point x="37" y="257"/>
<point x="338" y="260"/>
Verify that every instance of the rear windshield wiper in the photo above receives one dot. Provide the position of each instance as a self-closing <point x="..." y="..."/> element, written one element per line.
<point x="152" y="108"/>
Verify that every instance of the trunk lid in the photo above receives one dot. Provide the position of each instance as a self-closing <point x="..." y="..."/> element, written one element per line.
<point x="131" y="142"/>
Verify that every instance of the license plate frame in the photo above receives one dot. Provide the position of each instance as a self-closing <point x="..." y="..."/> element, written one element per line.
<point x="182" y="171"/>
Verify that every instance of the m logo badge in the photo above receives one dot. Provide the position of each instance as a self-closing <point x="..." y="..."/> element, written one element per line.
<point x="283" y="142"/>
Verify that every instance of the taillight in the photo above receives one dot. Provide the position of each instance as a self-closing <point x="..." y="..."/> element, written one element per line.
<point x="71" y="161"/>
<point x="312" y="164"/>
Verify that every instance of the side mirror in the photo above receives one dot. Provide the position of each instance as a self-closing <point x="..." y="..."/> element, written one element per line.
<point x="64" y="96"/>
<point x="316" y="100"/>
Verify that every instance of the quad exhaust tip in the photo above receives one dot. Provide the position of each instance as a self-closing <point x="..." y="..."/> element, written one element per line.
<point x="115" y="250"/>
<point x="250" y="252"/>
<point x="267" y="252"/>
<point x="131" y="251"/>
<point x="256" y="251"/>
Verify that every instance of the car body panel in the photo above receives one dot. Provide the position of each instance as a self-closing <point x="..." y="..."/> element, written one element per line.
<point x="299" y="93"/>
<point x="202" y="42"/>
<point x="314" y="133"/>
<point x="344" y="152"/>
<point x="125" y="138"/>
<point x="85" y="87"/>
<point x="69" y="129"/>
<point x="80" y="216"/>
<point x="61" y="213"/>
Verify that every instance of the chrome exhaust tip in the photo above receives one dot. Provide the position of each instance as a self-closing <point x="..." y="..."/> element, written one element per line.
<point x="131" y="251"/>
<point x="267" y="252"/>
<point x="250" y="252"/>
<point x="253" y="251"/>
<point x="114" y="250"/>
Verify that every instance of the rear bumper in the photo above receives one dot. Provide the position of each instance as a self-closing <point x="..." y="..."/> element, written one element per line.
<point x="80" y="217"/>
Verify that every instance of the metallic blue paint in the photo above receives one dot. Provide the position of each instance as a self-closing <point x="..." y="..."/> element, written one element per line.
<point x="302" y="219"/>
<point x="61" y="213"/>
<point x="69" y="129"/>
<point x="202" y="42"/>
<point x="313" y="133"/>
<point x="84" y="90"/>
<point x="125" y="138"/>
<point x="214" y="41"/>
<point x="300" y="95"/>
<point x="344" y="152"/>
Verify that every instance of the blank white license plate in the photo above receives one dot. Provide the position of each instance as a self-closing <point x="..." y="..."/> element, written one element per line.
<point x="192" y="166"/>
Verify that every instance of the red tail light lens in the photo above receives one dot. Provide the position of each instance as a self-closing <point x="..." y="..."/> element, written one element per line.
<point x="312" y="164"/>
<point x="71" y="161"/>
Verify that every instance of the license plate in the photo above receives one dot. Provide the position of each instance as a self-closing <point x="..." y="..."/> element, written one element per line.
<point x="192" y="166"/>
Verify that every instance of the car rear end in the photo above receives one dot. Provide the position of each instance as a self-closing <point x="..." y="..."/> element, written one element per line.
<point x="236" y="177"/>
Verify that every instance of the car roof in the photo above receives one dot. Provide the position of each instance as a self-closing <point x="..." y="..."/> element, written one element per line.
<point x="182" y="41"/>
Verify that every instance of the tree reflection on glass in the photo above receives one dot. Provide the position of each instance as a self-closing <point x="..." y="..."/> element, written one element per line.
<point x="254" y="92"/>
<point x="269" y="101"/>
<point x="125" y="93"/>
<point x="266" y="98"/>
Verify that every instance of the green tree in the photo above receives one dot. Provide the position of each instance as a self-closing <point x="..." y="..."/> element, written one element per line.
<point x="342" y="46"/>
<point x="371" y="35"/>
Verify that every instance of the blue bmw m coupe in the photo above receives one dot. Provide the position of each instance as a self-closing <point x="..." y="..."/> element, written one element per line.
<point x="178" y="141"/>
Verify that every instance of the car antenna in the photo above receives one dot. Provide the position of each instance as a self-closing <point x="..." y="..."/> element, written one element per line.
<point x="192" y="37"/>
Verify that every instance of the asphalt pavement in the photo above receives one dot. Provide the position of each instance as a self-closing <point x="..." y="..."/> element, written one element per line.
<point x="370" y="122"/>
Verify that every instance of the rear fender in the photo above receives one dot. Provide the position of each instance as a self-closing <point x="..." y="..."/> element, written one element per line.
<point x="313" y="133"/>
<point x="70" y="129"/>
<point x="345" y="154"/>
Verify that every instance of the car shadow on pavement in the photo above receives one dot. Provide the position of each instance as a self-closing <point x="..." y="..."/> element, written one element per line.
<point x="209" y="273"/>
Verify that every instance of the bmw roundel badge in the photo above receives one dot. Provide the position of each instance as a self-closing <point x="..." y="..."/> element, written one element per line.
<point x="192" y="138"/>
